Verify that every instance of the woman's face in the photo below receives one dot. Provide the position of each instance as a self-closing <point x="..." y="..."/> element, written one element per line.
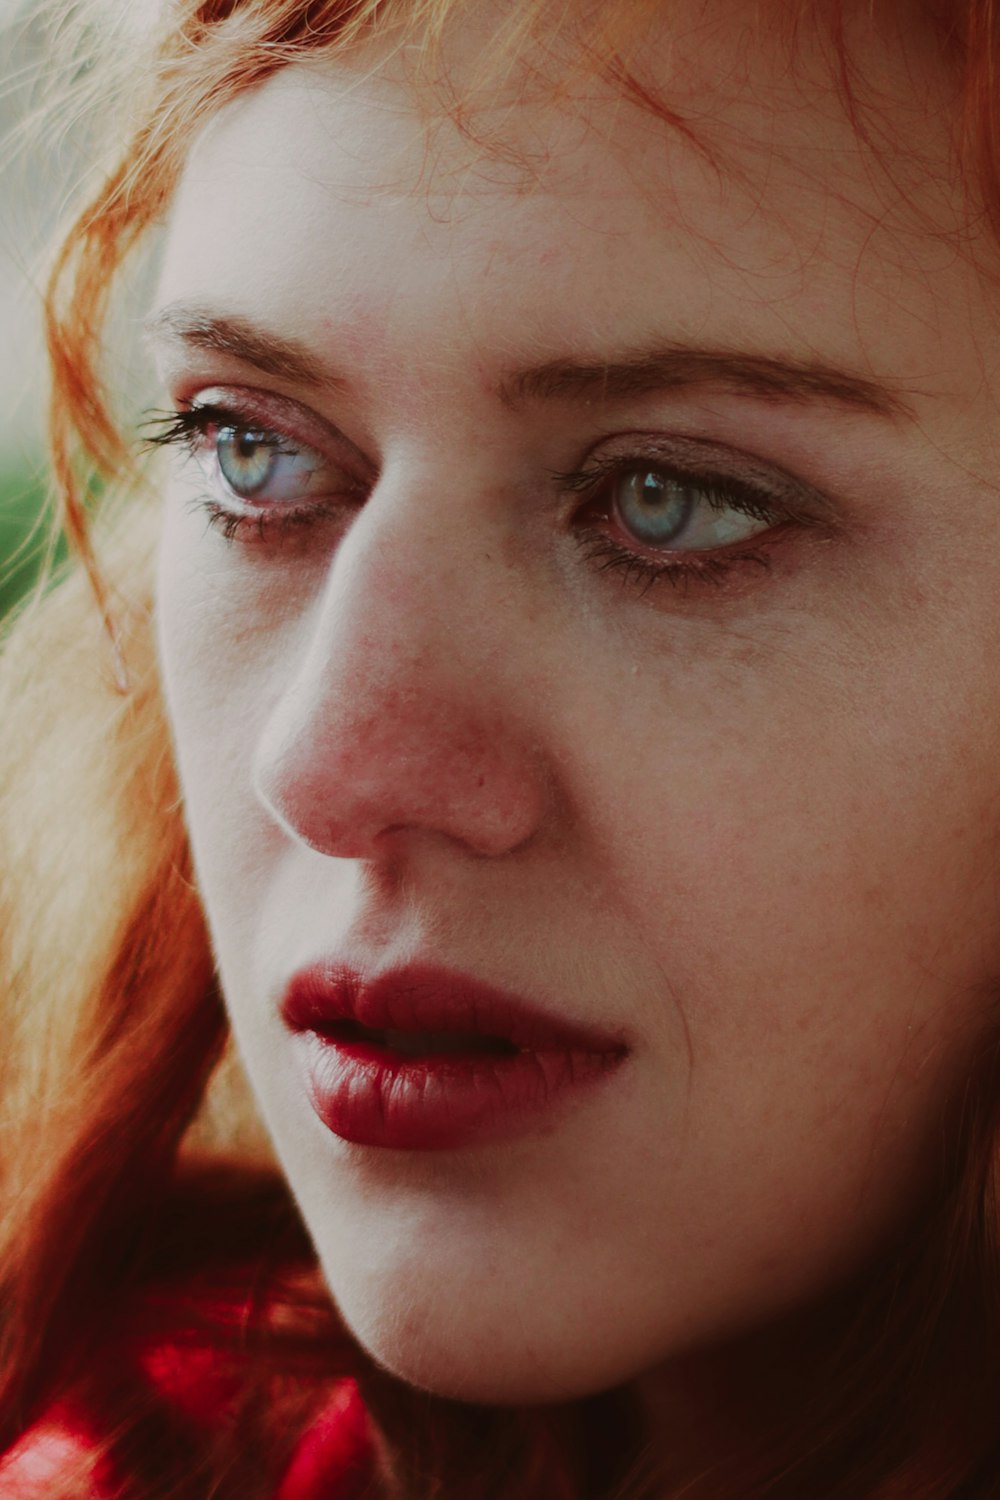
<point x="598" y="603"/>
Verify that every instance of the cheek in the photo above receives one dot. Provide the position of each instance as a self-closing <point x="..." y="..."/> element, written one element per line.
<point x="804" y="861"/>
<point x="227" y="645"/>
<point x="219" y="664"/>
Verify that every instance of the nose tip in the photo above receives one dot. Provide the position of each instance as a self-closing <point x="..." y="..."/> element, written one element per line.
<point x="359" y="789"/>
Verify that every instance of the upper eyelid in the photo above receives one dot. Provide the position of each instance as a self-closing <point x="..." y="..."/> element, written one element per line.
<point x="710" y="460"/>
<point x="281" y="418"/>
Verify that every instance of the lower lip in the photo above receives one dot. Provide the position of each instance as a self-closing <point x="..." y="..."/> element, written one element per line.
<point x="372" y="1097"/>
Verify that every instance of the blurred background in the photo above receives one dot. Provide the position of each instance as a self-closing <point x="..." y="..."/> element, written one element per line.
<point x="36" y="178"/>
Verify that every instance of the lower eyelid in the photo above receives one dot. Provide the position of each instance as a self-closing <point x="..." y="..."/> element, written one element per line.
<point x="693" y="571"/>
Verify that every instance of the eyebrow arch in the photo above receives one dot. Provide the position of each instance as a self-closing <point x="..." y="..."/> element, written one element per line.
<point x="682" y="366"/>
<point x="271" y="353"/>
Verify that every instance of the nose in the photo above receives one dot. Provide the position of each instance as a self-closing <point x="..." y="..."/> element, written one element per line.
<point x="402" y="711"/>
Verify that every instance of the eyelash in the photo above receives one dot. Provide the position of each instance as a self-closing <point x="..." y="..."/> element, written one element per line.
<point x="189" y="427"/>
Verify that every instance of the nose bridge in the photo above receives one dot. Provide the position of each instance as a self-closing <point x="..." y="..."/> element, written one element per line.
<point x="397" y="714"/>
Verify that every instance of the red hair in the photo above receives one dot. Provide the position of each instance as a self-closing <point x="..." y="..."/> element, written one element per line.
<point x="116" y="1027"/>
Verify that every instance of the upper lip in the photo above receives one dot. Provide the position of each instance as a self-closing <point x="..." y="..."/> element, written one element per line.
<point x="428" y="997"/>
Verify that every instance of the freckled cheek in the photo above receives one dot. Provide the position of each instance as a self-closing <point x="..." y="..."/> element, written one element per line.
<point x="747" y="886"/>
<point x="219" y="682"/>
<point x="237" y="848"/>
<point x="228" y="636"/>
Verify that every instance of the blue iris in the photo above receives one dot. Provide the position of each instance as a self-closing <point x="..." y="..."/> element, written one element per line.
<point x="656" y="508"/>
<point x="246" y="457"/>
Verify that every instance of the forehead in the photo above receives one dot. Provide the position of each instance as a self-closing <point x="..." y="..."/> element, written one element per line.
<point x="364" y="202"/>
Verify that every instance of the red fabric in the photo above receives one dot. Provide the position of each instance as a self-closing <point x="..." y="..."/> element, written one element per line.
<point x="57" y="1451"/>
<point x="333" y="1461"/>
<point x="174" y="1335"/>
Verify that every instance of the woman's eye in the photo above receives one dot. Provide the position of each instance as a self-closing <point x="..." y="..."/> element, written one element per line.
<point x="683" y="514"/>
<point x="257" y="480"/>
<point x="259" y="466"/>
<point x="685" y="519"/>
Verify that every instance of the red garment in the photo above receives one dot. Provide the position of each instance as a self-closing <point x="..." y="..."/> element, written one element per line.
<point x="174" y="1338"/>
<point x="333" y="1461"/>
<point x="49" y="1455"/>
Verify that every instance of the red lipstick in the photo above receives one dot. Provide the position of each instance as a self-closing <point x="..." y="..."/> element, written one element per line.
<point x="421" y="1058"/>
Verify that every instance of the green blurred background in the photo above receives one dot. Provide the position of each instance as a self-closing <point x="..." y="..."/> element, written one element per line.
<point x="23" y="529"/>
<point x="36" y="173"/>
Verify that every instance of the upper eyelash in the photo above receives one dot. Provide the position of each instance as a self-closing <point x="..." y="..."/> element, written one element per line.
<point x="184" y="424"/>
<point x="731" y="491"/>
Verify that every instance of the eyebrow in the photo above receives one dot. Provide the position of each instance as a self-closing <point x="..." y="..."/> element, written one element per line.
<point x="683" y="366"/>
<point x="663" y="367"/>
<point x="271" y="353"/>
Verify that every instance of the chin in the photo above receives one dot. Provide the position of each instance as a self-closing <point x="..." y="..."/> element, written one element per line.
<point x="479" y="1376"/>
<point x="482" y="1354"/>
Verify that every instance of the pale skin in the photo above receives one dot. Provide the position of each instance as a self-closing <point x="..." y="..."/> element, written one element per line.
<point x="749" y="820"/>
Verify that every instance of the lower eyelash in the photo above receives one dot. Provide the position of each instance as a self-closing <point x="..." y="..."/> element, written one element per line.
<point x="259" y="525"/>
<point x="643" y="573"/>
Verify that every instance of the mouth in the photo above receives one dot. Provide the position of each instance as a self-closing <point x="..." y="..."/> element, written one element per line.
<point x="416" y="1043"/>
<point x="423" y="1058"/>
